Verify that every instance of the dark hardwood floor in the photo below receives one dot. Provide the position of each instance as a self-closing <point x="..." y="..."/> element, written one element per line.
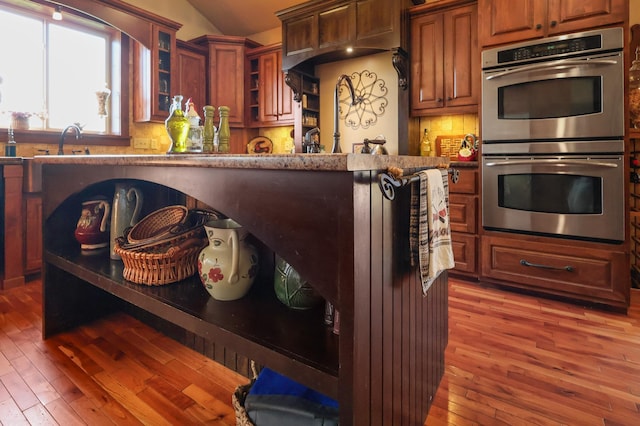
<point x="512" y="360"/>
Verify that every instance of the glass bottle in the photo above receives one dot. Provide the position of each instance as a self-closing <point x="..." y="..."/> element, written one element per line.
<point x="209" y="129"/>
<point x="425" y="144"/>
<point x="634" y="91"/>
<point x="177" y="126"/>
<point x="224" y="133"/>
<point x="10" y="147"/>
<point x="194" y="138"/>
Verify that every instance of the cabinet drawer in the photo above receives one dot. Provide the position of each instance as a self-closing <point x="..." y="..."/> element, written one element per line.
<point x="464" y="252"/>
<point x="467" y="182"/>
<point x="568" y="269"/>
<point x="463" y="213"/>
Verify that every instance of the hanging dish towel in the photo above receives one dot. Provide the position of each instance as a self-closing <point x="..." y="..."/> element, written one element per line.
<point x="430" y="234"/>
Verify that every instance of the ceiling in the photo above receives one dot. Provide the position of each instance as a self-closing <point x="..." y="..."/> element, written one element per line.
<point x="243" y="17"/>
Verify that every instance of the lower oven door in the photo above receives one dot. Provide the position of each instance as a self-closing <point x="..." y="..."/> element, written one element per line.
<point x="580" y="197"/>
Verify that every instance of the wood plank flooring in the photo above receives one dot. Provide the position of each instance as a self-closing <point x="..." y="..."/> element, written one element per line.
<point x="512" y="360"/>
<point x="518" y="360"/>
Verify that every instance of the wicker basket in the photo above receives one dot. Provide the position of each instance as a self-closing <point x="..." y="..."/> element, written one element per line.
<point x="239" y="396"/>
<point x="237" y="400"/>
<point x="160" y="261"/>
<point x="157" y="225"/>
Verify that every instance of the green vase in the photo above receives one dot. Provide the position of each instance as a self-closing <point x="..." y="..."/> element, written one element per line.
<point x="177" y="126"/>
<point x="291" y="289"/>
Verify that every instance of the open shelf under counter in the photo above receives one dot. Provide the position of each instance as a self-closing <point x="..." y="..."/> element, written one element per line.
<point x="274" y="334"/>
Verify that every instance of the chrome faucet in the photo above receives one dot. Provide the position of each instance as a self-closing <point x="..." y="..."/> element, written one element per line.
<point x="309" y="143"/>
<point x="78" y="131"/>
<point x="354" y="101"/>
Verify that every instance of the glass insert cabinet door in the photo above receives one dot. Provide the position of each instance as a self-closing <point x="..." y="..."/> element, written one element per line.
<point x="155" y="74"/>
<point x="164" y="71"/>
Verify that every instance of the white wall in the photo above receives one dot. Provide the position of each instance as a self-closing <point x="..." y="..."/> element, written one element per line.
<point x="268" y="37"/>
<point x="386" y="124"/>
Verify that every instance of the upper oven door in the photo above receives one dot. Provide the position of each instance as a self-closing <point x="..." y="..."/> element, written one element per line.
<point x="557" y="99"/>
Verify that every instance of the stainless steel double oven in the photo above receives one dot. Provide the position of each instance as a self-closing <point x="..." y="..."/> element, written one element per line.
<point x="553" y="137"/>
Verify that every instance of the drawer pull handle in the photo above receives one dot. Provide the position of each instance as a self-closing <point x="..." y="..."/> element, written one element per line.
<point x="567" y="268"/>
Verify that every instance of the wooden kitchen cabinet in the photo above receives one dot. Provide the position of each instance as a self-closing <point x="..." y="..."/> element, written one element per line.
<point x="191" y="72"/>
<point x="154" y="75"/>
<point x="271" y="100"/>
<point x="583" y="271"/>
<point x="11" y="224"/>
<point x="323" y="30"/>
<point x="506" y="21"/>
<point x="306" y="93"/>
<point x="228" y="83"/>
<point x="444" y="61"/>
<point x="463" y="214"/>
<point x="226" y="71"/>
<point x="309" y="116"/>
<point x="32" y="233"/>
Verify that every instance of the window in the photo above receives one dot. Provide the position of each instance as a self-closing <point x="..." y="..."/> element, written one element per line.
<point x="59" y="69"/>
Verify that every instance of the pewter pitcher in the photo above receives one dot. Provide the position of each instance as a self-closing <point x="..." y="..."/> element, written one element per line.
<point x="127" y="203"/>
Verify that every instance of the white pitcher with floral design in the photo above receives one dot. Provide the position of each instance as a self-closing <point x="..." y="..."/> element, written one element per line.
<point x="228" y="265"/>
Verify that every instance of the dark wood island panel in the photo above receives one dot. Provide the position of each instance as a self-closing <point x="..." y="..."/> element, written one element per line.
<point x="327" y="217"/>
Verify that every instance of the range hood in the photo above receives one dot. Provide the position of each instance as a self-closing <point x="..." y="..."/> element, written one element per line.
<point x="321" y="31"/>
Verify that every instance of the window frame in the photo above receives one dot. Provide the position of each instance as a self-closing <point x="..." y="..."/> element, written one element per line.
<point x="48" y="137"/>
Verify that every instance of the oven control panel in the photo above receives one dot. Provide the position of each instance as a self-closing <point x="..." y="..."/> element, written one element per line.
<point x="586" y="43"/>
<point x="550" y="49"/>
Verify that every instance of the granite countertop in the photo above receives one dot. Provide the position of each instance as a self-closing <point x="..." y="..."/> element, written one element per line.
<point x="320" y="162"/>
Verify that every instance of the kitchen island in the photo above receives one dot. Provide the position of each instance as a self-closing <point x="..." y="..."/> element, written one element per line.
<point x="326" y="216"/>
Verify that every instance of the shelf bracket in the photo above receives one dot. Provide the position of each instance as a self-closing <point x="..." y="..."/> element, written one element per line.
<point x="399" y="61"/>
<point x="294" y="81"/>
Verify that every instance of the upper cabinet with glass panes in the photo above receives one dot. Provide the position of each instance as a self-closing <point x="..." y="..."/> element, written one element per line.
<point x="154" y="75"/>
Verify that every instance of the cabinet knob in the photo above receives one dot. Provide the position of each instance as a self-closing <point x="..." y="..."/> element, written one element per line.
<point x="449" y="98"/>
<point x="554" y="23"/>
<point x="539" y="27"/>
<point x="439" y="100"/>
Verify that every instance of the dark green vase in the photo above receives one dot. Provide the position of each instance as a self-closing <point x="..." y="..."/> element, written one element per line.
<point x="292" y="290"/>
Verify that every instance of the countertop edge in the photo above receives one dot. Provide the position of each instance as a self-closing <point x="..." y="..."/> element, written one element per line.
<point x="10" y="161"/>
<point x="319" y="162"/>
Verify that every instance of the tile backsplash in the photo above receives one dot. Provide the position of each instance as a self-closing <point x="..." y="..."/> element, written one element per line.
<point x="281" y="138"/>
<point x="446" y="125"/>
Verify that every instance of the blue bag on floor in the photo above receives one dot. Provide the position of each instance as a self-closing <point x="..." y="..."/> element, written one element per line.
<point x="275" y="400"/>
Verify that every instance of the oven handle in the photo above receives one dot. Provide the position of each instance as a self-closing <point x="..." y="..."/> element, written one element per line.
<point x="553" y="162"/>
<point x="564" y="63"/>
